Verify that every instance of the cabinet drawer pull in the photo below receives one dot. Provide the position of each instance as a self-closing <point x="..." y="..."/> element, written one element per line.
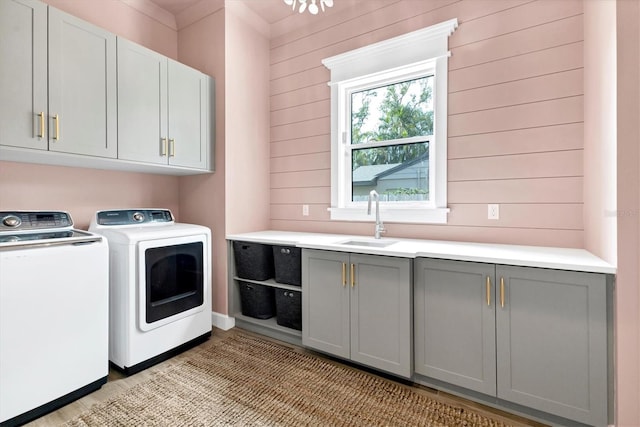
<point x="172" y="147"/>
<point x="344" y="274"/>
<point x="353" y="275"/>
<point x="488" y="291"/>
<point x="41" y="134"/>
<point x="56" y="119"/>
<point x="502" y="292"/>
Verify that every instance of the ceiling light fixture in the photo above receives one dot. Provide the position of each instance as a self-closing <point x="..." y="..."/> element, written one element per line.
<point x="312" y="7"/>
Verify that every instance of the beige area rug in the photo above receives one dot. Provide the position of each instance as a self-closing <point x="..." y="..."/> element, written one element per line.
<point x="242" y="380"/>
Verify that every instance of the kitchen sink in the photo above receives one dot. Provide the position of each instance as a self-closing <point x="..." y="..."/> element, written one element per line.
<point x="369" y="243"/>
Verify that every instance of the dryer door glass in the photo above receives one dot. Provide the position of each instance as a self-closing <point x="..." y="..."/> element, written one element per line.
<point x="174" y="280"/>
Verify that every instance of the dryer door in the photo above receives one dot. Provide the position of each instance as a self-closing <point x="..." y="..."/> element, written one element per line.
<point x="171" y="279"/>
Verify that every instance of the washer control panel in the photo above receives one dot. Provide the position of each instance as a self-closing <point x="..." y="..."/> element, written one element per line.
<point x="134" y="216"/>
<point x="33" y="220"/>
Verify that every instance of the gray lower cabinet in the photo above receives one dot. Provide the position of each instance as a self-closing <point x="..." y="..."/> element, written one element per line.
<point x="455" y="335"/>
<point x="358" y="307"/>
<point x="530" y="336"/>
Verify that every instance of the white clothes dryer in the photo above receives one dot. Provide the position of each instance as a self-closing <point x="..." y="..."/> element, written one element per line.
<point x="159" y="286"/>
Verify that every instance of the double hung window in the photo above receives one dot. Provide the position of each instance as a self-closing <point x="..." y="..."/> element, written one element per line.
<point x="388" y="127"/>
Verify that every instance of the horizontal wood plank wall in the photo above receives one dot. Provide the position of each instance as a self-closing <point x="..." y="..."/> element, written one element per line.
<point x="515" y="117"/>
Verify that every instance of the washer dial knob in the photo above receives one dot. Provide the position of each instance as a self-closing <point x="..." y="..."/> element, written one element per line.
<point x="138" y="217"/>
<point x="12" y="221"/>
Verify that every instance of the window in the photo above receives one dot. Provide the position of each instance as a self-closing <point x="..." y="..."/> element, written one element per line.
<point x="388" y="127"/>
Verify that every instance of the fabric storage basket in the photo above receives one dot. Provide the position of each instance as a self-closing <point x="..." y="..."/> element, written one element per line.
<point x="257" y="300"/>
<point x="287" y="265"/>
<point x="254" y="261"/>
<point x="289" y="308"/>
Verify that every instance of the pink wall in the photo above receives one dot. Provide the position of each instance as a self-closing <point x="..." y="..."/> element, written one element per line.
<point x="515" y="117"/>
<point x="202" y="197"/>
<point x="612" y="190"/>
<point x="84" y="191"/>
<point x="600" y="128"/>
<point x="247" y="122"/>
<point x="235" y="198"/>
<point x="628" y="208"/>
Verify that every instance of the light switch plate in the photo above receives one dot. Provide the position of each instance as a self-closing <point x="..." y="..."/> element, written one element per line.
<point x="305" y="210"/>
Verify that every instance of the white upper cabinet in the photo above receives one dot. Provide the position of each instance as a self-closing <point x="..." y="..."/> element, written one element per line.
<point x="74" y="94"/>
<point x="82" y="87"/>
<point x="162" y="109"/>
<point x="142" y="103"/>
<point x="188" y="100"/>
<point x="73" y="109"/>
<point x="23" y="74"/>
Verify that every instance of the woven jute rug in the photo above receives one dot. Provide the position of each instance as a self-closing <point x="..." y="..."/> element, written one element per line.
<point x="242" y="380"/>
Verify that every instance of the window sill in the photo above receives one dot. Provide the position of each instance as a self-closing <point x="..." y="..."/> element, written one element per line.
<point x="415" y="215"/>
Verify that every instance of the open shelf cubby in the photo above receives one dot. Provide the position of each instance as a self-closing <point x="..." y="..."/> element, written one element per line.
<point x="268" y="327"/>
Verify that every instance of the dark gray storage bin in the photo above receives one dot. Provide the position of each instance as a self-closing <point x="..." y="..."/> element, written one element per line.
<point x="254" y="261"/>
<point x="257" y="300"/>
<point x="289" y="308"/>
<point x="287" y="265"/>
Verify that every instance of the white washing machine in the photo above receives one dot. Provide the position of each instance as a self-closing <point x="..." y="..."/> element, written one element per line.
<point x="159" y="285"/>
<point x="54" y="293"/>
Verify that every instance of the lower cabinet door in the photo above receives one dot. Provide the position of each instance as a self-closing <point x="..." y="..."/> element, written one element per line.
<point x="325" y="302"/>
<point x="358" y="307"/>
<point x="454" y="323"/>
<point x="552" y="342"/>
<point x="381" y="313"/>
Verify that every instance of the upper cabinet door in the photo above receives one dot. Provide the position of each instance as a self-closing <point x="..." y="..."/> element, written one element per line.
<point x="188" y="121"/>
<point x="82" y="87"/>
<point x="23" y="73"/>
<point x="142" y="104"/>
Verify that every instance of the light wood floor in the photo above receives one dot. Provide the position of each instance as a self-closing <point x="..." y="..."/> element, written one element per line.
<point x="118" y="382"/>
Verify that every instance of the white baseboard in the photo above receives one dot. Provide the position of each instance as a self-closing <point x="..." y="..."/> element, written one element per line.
<point x="222" y="321"/>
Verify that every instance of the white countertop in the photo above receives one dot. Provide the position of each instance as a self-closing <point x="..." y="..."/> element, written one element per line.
<point x="527" y="256"/>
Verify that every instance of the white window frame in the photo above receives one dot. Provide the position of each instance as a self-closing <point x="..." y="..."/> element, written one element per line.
<point x="416" y="54"/>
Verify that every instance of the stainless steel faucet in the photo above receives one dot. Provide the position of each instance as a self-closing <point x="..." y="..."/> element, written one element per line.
<point x="373" y="194"/>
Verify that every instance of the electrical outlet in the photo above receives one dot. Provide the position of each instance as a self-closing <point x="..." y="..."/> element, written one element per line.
<point x="305" y="210"/>
<point x="493" y="211"/>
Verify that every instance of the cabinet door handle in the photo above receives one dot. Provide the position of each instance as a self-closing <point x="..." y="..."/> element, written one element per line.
<point x="56" y="119"/>
<point x="41" y="134"/>
<point x="502" y="292"/>
<point x="344" y="274"/>
<point x="353" y="275"/>
<point x="163" y="147"/>
<point x="172" y="147"/>
<point x="488" y="291"/>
